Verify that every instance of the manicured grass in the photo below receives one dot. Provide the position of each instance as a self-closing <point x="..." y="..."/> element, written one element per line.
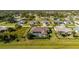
<point x="42" y="44"/>
<point x="70" y="25"/>
<point x="7" y="24"/>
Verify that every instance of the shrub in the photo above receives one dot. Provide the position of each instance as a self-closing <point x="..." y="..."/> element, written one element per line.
<point x="11" y="29"/>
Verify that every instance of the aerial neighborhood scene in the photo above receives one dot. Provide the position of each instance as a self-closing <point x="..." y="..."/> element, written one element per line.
<point x="39" y="29"/>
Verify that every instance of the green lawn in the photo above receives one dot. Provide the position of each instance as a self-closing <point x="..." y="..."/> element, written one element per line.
<point x="42" y="44"/>
<point x="7" y="24"/>
<point x="70" y="25"/>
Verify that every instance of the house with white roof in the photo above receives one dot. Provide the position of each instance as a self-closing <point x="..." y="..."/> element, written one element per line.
<point x="62" y="30"/>
<point x="76" y="31"/>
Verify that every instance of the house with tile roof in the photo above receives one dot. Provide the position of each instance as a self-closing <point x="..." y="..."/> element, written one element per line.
<point x="39" y="32"/>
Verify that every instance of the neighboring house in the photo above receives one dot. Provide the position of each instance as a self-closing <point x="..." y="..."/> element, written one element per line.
<point x="45" y="22"/>
<point x="3" y="28"/>
<point x="76" y="22"/>
<point x="76" y="17"/>
<point x="58" y="21"/>
<point x="33" y="22"/>
<point x="59" y="28"/>
<point x="20" y="23"/>
<point x="67" y="18"/>
<point x="63" y="30"/>
<point x="76" y="31"/>
<point x="39" y="32"/>
<point x="15" y="20"/>
<point x="67" y="22"/>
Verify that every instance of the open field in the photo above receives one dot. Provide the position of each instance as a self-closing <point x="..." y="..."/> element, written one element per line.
<point x="42" y="44"/>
